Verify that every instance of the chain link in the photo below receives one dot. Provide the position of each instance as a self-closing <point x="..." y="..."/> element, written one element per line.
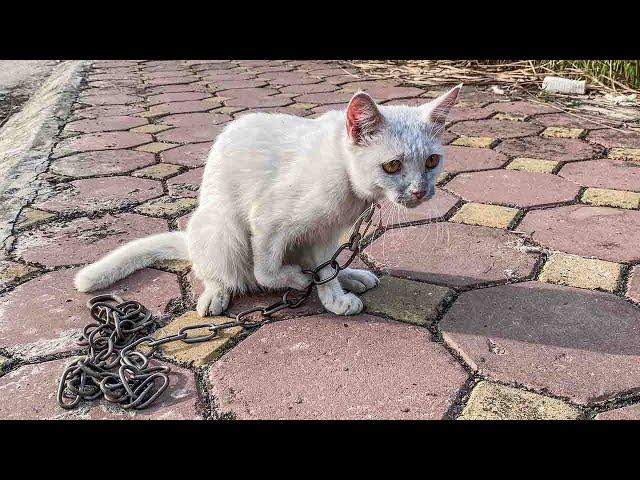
<point x="113" y="367"/>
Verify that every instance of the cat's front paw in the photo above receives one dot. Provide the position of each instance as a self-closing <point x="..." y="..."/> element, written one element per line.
<point x="344" y="304"/>
<point x="212" y="302"/>
<point x="357" y="281"/>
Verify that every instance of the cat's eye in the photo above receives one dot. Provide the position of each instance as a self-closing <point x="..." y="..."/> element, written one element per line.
<point x="432" y="161"/>
<point x="393" y="166"/>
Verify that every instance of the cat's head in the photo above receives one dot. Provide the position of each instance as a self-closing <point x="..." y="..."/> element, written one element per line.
<point x="395" y="152"/>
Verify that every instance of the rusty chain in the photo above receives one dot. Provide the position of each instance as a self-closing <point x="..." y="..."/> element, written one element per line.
<point x="114" y="369"/>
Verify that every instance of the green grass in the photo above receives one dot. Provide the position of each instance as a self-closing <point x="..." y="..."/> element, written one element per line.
<point x="615" y="74"/>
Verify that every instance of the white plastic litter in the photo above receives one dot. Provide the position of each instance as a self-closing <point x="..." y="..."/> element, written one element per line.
<point x="564" y="85"/>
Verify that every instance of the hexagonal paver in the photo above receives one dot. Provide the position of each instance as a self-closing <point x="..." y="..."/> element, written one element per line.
<point x="95" y="194"/>
<point x="468" y="113"/>
<point x="29" y="393"/>
<point x="167" y="206"/>
<point x="199" y="133"/>
<point x="451" y="254"/>
<point x="492" y="401"/>
<point x="605" y="173"/>
<point x="156" y="147"/>
<point x="106" y="99"/>
<point x="195" y="119"/>
<point x="412" y="302"/>
<point x="186" y="184"/>
<point x="54" y="322"/>
<point x="175" y="97"/>
<point x="106" y="111"/>
<point x="467" y="159"/>
<point x="83" y="240"/>
<point x="185" y="107"/>
<point x="633" y="287"/>
<point x="438" y="206"/>
<point x="615" y="138"/>
<point x="495" y="128"/>
<point x="559" y="149"/>
<point x="101" y="163"/>
<point x="631" y="412"/>
<point x="105" y="124"/>
<point x="101" y="141"/>
<point x="330" y="367"/>
<point x="574" y="343"/>
<point x="13" y="271"/>
<point x="522" y="107"/>
<point x="513" y="188"/>
<point x="191" y="155"/>
<point x="567" y="121"/>
<point x="601" y="232"/>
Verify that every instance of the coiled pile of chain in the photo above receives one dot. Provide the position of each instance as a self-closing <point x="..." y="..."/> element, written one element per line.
<point x="113" y="368"/>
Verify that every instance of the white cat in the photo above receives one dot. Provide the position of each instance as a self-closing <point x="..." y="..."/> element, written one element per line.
<point x="279" y="191"/>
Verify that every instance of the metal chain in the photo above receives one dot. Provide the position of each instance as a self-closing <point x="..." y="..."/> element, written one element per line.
<point x="115" y="370"/>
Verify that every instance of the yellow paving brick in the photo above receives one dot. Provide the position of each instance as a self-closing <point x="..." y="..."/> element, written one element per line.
<point x="575" y="271"/>
<point x="166" y="206"/>
<point x="513" y="117"/>
<point x="174" y="266"/>
<point x="196" y="354"/>
<point x="12" y="271"/>
<point x="156" y="147"/>
<point x="147" y="114"/>
<point x="303" y="106"/>
<point x="632" y="154"/>
<point x="491" y="401"/>
<point x="159" y="171"/>
<point x="476" y="142"/>
<point x="150" y="128"/>
<point x="32" y="216"/>
<point x="604" y="197"/>
<point x="486" y="215"/>
<point x="562" y="132"/>
<point x="532" y="165"/>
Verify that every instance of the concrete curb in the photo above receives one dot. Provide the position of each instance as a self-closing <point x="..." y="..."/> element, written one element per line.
<point x="27" y="138"/>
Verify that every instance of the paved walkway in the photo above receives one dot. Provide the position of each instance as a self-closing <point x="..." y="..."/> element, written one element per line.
<point x="513" y="294"/>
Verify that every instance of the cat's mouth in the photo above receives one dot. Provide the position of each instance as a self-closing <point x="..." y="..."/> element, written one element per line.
<point x="413" y="202"/>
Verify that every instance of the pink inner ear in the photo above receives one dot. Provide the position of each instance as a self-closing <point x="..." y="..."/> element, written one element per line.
<point x="362" y="117"/>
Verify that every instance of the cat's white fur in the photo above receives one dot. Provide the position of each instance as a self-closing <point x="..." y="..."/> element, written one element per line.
<point x="279" y="191"/>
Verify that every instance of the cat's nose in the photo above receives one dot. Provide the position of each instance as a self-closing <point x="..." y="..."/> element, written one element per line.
<point x="418" y="193"/>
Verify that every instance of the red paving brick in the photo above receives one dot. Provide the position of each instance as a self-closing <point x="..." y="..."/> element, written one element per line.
<point x="106" y="124"/>
<point x="192" y="155"/>
<point x="513" y="188"/>
<point x="102" y="163"/>
<point x="605" y="173"/>
<point x="186" y="184"/>
<point x="55" y="321"/>
<point x="601" y="232"/>
<point x="559" y="149"/>
<point x="466" y="159"/>
<point x="328" y="367"/>
<point x="615" y="138"/>
<point x="101" y="141"/>
<point x="30" y="393"/>
<point x="632" y="412"/>
<point x="495" y="128"/>
<point x="451" y="254"/>
<point x="574" y="343"/>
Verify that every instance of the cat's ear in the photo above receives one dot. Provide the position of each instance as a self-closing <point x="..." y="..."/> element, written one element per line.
<point x="437" y="110"/>
<point x="363" y="117"/>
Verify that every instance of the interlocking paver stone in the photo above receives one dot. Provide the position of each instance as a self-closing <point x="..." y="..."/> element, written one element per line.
<point x="13" y="271"/>
<point x="106" y="124"/>
<point x="475" y="142"/>
<point x="466" y="159"/>
<point x="192" y="155"/>
<point x="492" y="401"/>
<point x="98" y="112"/>
<point x="601" y="232"/>
<point x="631" y="154"/>
<point x="611" y="198"/>
<point x="615" y="138"/>
<point x="451" y="254"/>
<point x="106" y="193"/>
<point x="513" y="187"/>
<point x="575" y="271"/>
<point x="495" y="128"/>
<point x="633" y="287"/>
<point x="159" y="171"/>
<point x="54" y="322"/>
<point x="196" y="354"/>
<point x="605" y="173"/>
<point x="412" y="302"/>
<point x="83" y="240"/>
<point x="167" y="206"/>
<point x="195" y="119"/>
<point x="186" y="184"/>
<point x="563" y="132"/>
<point x="198" y="133"/>
<point x="29" y="393"/>
<point x="566" y="121"/>
<point x="184" y="107"/>
<point x="631" y="412"/>
<point x="101" y="141"/>
<point x="151" y="128"/>
<point x="574" y="343"/>
<point x="101" y="163"/>
<point x="558" y="149"/>
<point x="532" y="165"/>
<point x="121" y="99"/>
<point x="522" y="107"/>
<point x="32" y="216"/>
<point x="156" y="147"/>
<point x="330" y="367"/>
<point x="487" y="215"/>
<point x="175" y="97"/>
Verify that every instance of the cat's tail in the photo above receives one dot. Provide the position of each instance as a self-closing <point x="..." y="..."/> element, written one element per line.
<point x="130" y="257"/>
